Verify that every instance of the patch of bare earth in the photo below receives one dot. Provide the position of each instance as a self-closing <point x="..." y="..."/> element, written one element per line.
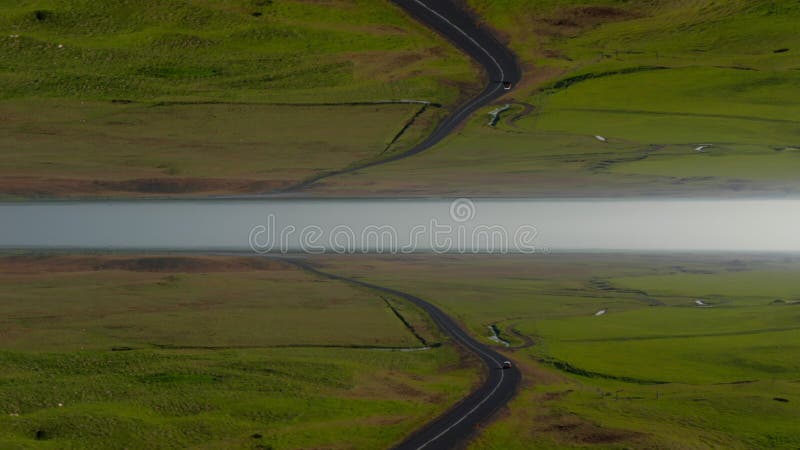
<point x="393" y="386"/>
<point x="546" y="415"/>
<point x="546" y="28"/>
<point x="384" y="420"/>
<point x="571" y="428"/>
<point x="66" y="187"/>
<point x="581" y="17"/>
<point x="392" y="66"/>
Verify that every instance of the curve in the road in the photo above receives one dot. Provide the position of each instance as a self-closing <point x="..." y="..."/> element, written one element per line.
<point x="455" y="24"/>
<point x="459" y="423"/>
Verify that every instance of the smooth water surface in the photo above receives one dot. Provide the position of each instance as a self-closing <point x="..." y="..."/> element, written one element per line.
<point x="405" y="225"/>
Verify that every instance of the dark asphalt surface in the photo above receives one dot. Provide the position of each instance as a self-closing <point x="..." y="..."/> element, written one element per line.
<point x="456" y="426"/>
<point x="479" y="43"/>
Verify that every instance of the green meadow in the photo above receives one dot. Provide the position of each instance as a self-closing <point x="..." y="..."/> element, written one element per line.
<point x="133" y="351"/>
<point x="99" y="149"/>
<point x="236" y="50"/>
<point x="691" y="351"/>
<point x="656" y="80"/>
<point x="103" y="98"/>
<point x="165" y="351"/>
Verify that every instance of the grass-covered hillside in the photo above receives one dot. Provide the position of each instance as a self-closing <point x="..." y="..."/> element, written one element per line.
<point x="692" y="98"/>
<point x="161" y="352"/>
<point x="101" y="97"/>
<point x="639" y="351"/>
<point x="667" y="97"/>
<point x="232" y="50"/>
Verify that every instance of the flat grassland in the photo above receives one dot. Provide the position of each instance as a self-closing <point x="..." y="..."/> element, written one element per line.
<point x="129" y="351"/>
<point x="49" y="148"/>
<point x="174" y="97"/>
<point x="673" y="351"/>
<point x="691" y="99"/>
<point x="165" y="351"/>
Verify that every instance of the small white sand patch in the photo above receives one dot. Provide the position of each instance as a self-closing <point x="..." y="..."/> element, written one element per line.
<point x="494" y="115"/>
<point x="414" y="349"/>
<point x="701" y="303"/>
<point x="494" y="337"/>
<point x="601" y="312"/>
<point x="601" y="138"/>
<point x="408" y="100"/>
<point x="702" y="147"/>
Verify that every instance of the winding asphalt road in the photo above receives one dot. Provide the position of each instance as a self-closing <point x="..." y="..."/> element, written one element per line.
<point x="461" y="29"/>
<point x="459" y="423"/>
<point x="456" y="426"/>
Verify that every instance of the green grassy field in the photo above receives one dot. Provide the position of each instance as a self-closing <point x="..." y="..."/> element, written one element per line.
<point x="235" y="50"/>
<point x="171" y="351"/>
<point x="656" y="370"/>
<point x="102" y="98"/>
<point x="104" y="149"/>
<point x="208" y="352"/>
<point x="656" y="79"/>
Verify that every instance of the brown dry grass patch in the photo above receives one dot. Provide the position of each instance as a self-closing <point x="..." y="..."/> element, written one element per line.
<point x="567" y="427"/>
<point x="582" y="17"/>
<point x="35" y="263"/>
<point x="67" y="187"/>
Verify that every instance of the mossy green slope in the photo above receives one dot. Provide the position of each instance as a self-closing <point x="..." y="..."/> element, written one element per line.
<point x="105" y="351"/>
<point x="103" y="98"/>
<point x="692" y="351"/>
<point x="236" y="50"/>
<point x="690" y="98"/>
